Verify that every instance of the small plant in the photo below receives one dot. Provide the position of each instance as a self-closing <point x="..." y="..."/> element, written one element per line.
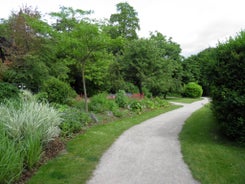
<point x="73" y="121"/>
<point x="147" y="103"/>
<point x="100" y="103"/>
<point x="193" y="90"/>
<point x="121" y="98"/>
<point x="136" y="107"/>
<point x="160" y="102"/>
<point x="42" y="96"/>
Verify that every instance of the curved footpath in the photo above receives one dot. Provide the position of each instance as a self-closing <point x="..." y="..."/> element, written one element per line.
<point x="148" y="153"/>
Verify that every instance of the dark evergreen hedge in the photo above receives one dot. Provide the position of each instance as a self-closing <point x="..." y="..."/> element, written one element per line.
<point x="228" y="91"/>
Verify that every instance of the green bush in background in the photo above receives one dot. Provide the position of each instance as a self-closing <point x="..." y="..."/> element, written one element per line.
<point x="192" y="90"/>
<point x="8" y="91"/>
<point x="57" y="91"/>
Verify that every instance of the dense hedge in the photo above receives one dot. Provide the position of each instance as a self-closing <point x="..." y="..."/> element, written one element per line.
<point x="8" y="91"/>
<point x="229" y="87"/>
<point x="193" y="90"/>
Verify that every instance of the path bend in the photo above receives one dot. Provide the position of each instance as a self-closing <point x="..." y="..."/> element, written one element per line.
<point x="148" y="153"/>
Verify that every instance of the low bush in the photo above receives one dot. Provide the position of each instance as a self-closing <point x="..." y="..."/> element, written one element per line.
<point x="192" y="90"/>
<point x="73" y="121"/>
<point x="42" y="96"/>
<point x="100" y="103"/>
<point x="136" y="106"/>
<point x="57" y="91"/>
<point x="121" y="98"/>
<point x="8" y="91"/>
<point x="160" y="102"/>
<point x="148" y="103"/>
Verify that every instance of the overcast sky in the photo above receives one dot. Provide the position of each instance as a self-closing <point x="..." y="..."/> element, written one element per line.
<point x="194" y="24"/>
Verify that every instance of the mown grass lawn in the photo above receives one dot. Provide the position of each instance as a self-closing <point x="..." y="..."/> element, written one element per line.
<point x="183" y="100"/>
<point x="211" y="158"/>
<point x="84" y="151"/>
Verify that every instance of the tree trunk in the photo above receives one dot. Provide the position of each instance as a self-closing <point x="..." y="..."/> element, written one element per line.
<point x="140" y="88"/>
<point x="84" y="87"/>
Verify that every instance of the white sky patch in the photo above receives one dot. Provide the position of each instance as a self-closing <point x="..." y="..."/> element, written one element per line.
<point x="194" y="24"/>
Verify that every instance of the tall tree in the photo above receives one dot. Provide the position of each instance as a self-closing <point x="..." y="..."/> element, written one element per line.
<point x="169" y="76"/>
<point x="141" y="60"/>
<point x="125" y="22"/>
<point x="81" y="40"/>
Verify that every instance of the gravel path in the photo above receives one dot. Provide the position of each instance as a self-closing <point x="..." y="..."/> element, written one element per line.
<point x="148" y="153"/>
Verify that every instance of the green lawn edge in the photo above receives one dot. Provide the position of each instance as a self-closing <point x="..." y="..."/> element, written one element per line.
<point x="210" y="157"/>
<point x="83" y="152"/>
<point x="183" y="100"/>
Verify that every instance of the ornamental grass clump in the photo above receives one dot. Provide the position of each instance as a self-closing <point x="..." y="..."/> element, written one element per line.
<point x="25" y="127"/>
<point x="29" y="117"/>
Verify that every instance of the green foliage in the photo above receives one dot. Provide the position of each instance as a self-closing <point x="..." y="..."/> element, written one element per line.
<point x="160" y="102"/>
<point x="73" y="121"/>
<point x="57" y="91"/>
<point x="192" y="90"/>
<point x="32" y="146"/>
<point x="121" y="98"/>
<point x="199" y="68"/>
<point x="136" y="106"/>
<point x="28" y="117"/>
<point x="25" y="126"/>
<point x="100" y="103"/>
<point x="11" y="158"/>
<point x="228" y="90"/>
<point x="41" y="96"/>
<point x="8" y="91"/>
<point x="125" y="22"/>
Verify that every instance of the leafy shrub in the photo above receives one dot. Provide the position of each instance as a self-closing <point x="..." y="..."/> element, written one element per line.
<point x="8" y="91"/>
<point x="73" y="121"/>
<point x="42" y="96"/>
<point x="11" y="158"/>
<point x="131" y="88"/>
<point x="158" y="102"/>
<point x="193" y="90"/>
<point x="121" y="98"/>
<point x="57" y="91"/>
<point x="100" y="103"/>
<point x="228" y="91"/>
<point x="117" y="112"/>
<point x="148" y="103"/>
<point x="136" y="106"/>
